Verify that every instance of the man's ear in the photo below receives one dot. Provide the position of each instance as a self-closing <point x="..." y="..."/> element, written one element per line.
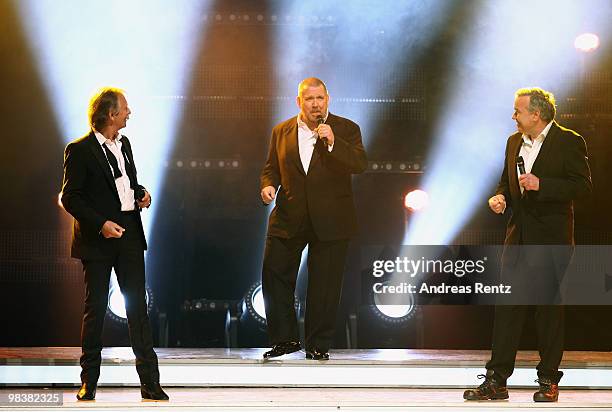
<point x="297" y="102"/>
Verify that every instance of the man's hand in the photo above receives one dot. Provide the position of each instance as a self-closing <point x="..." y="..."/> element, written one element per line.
<point x="145" y="202"/>
<point x="529" y="182"/>
<point x="497" y="203"/>
<point x="267" y="194"/>
<point x="326" y="133"/>
<point x="112" y="230"/>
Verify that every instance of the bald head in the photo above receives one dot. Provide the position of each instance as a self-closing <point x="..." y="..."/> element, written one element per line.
<point x="310" y="82"/>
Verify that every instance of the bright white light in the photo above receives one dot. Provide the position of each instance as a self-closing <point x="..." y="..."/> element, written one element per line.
<point x="395" y="311"/>
<point x="144" y="47"/>
<point x="416" y="200"/>
<point x="257" y="299"/>
<point x="394" y="306"/>
<point x="587" y="42"/>
<point x="116" y="302"/>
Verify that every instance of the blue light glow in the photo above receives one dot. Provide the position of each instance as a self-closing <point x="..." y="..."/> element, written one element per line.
<point x="143" y="47"/>
<point x="511" y="45"/>
<point x="363" y="44"/>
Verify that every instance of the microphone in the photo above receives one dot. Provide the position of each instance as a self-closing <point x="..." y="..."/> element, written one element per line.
<point x="521" y="164"/>
<point x="320" y="121"/>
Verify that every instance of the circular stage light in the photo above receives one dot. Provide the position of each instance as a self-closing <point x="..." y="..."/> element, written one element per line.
<point x="253" y="303"/>
<point x="258" y="302"/>
<point x="416" y="200"/>
<point x="586" y="42"/>
<point x="116" y="301"/>
<point x="395" y="312"/>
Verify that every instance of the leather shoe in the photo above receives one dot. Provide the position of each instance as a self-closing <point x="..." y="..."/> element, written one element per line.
<point x="87" y="392"/>
<point x="153" y="391"/>
<point x="490" y="389"/>
<point x="548" y="392"/>
<point x="281" y="349"/>
<point x="317" y="354"/>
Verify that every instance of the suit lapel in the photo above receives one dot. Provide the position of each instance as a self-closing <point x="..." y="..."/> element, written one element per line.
<point x="292" y="146"/>
<point x="514" y="150"/>
<point x="319" y="145"/>
<point x="98" y="153"/>
<point x="542" y="155"/>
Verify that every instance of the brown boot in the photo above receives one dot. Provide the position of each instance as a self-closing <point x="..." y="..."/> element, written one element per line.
<point x="548" y="392"/>
<point x="490" y="389"/>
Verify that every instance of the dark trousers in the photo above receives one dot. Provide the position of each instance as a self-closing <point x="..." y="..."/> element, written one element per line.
<point x="326" y="261"/>
<point x="128" y="262"/>
<point x="507" y="330"/>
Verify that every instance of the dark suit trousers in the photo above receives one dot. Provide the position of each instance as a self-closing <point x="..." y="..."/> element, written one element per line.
<point x="535" y="273"/>
<point x="326" y="261"/>
<point x="507" y="330"/>
<point x="128" y="261"/>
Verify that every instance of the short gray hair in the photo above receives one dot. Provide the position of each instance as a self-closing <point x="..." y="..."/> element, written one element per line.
<point x="540" y="100"/>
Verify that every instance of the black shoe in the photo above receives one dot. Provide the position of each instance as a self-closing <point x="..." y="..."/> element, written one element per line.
<point x="282" y="349"/>
<point x="548" y="392"/>
<point x="153" y="391"/>
<point x="490" y="389"/>
<point x="87" y="392"/>
<point x="317" y="354"/>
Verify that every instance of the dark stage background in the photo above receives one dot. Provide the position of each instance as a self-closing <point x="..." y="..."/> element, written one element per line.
<point x="208" y="234"/>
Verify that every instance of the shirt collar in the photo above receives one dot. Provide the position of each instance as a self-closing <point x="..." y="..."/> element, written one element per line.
<point x="540" y="137"/>
<point x="101" y="139"/>
<point x="302" y="124"/>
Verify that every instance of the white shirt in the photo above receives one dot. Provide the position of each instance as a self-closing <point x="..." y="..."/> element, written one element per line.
<point x="306" y="142"/>
<point x="126" y="193"/>
<point x="531" y="148"/>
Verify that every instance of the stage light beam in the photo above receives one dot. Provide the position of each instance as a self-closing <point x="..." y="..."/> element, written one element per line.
<point x="144" y="47"/>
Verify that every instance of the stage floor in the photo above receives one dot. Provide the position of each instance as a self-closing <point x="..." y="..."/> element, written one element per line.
<point x="238" y="379"/>
<point x="326" y="399"/>
<point x="381" y="368"/>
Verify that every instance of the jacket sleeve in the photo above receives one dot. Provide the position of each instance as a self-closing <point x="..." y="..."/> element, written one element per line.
<point x="503" y="186"/>
<point x="270" y="175"/>
<point x="576" y="183"/>
<point x="349" y="152"/>
<point x="73" y="193"/>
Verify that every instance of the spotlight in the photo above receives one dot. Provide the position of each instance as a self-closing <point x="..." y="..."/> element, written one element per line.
<point x="253" y="304"/>
<point x="116" y="301"/>
<point x="586" y="42"/>
<point x="416" y="200"/>
<point x="395" y="313"/>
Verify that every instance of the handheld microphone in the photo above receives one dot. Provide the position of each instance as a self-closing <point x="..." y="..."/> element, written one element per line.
<point x="521" y="164"/>
<point x="320" y="121"/>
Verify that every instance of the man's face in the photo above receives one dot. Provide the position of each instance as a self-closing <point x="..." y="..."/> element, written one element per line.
<point x="313" y="103"/>
<point x="525" y="121"/>
<point x="123" y="113"/>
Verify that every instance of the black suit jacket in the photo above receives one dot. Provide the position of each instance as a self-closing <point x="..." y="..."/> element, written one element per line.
<point x="546" y="216"/>
<point x="90" y="195"/>
<point x="325" y="193"/>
